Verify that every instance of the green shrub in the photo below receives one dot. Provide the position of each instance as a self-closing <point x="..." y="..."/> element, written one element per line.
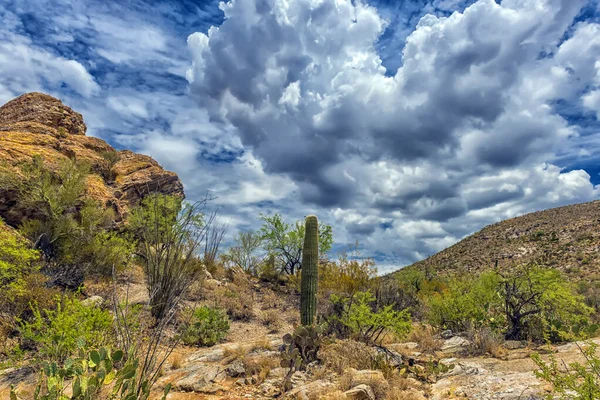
<point x="208" y="326"/>
<point x="466" y="303"/>
<point x="528" y="302"/>
<point x="575" y="382"/>
<point x="57" y="334"/>
<point x="17" y="261"/>
<point x="358" y="317"/>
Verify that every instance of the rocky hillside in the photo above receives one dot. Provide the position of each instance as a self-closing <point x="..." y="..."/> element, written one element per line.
<point x="38" y="124"/>
<point x="566" y="238"/>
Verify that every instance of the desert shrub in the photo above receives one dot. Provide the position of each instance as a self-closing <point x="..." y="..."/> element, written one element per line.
<point x="466" y="303"/>
<point x="484" y="340"/>
<point x="236" y="300"/>
<point x="342" y="354"/>
<point x="70" y="229"/>
<point x="207" y="327"/>
<point x="525" y="302"/>
<point x="347" y="276"/>
<point x="271" y="319"/>
<point x="19" y="263"/>
<point x="358" y="317"/>
<point x="425" y="337"/>
<point x="169" y="234"/>
<point x="57" y="334"/>
<point x="576" y="381"/>
<point x="245" y="252"/>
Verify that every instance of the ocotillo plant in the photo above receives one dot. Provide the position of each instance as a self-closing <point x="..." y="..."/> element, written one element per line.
<point x="308" y="280"/>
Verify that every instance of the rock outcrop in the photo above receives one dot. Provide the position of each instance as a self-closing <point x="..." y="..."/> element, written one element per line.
<point x="39" y="124"/>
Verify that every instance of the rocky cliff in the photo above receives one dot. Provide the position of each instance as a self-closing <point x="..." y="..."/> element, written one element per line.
<point x="39" y="124"/>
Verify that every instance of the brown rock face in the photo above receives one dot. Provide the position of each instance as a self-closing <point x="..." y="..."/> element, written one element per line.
<point x="38" y="124"/>
<point x="43" y="109"/>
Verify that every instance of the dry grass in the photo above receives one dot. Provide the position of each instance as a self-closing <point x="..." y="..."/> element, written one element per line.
<point x="399" y="394"/>
<point x="350" y="379"/>
<point x="237" y="301"/>
<point x="259" y="367"/>
<point x="485" y="341"/>
<point x="424" y="336"/>
<point x="272" y="320"/>
<point x="176" y="361"/>
<point x="344" y="354"/>
<point x="234" y="352"/>
<point x="335" y="395"/>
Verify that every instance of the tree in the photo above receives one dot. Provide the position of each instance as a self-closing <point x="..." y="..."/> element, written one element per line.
<point x="540" y="302"/>
<point x="285" y="241"/>
<point x="171" y="234"/>
<point x="244" y="253"/>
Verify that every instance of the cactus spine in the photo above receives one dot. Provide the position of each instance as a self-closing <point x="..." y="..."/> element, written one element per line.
<point x="308" y="280"/>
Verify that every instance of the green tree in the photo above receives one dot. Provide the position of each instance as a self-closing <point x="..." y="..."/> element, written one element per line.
<point x="244" y="252"/>
<point x="542" y="304"/>
<point x="285" y="241"/>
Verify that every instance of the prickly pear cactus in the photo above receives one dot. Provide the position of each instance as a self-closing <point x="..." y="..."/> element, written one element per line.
<point x="308" y="280"/>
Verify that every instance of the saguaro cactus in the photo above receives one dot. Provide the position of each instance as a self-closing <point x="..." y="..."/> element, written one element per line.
<point x="308" y="280"/>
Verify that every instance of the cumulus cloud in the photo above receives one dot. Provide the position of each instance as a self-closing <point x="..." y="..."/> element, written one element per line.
<point x="463" y="133"/>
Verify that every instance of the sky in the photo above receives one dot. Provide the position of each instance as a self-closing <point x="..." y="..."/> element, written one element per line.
<point x="406" y="125"/>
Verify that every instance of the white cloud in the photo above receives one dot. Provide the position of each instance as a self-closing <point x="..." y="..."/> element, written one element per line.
<point x="26" y="67"/>
<point x="463" y="134"/>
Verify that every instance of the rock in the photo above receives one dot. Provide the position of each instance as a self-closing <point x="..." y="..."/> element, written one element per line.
<point x="455" y="344"/>
<point x="277" y="373"/>
<point x="360" y="392"/>
<point x="368" y="377"/>
<point x="38" y="124"/>
<point x="269" y="388"/>
<point x="298" y="378"/>
<point x="310" y="390"/>
<point x="198" y="376"/>
<point x="393" y="358"/>
<point x="514" y="344"/>
<point x="447" y="334"/>
<point x="43" y="109"/>
<point x="93" y="301"/>
<point x="212" y="388"/>
<point x="236" y="369"/>
<point x="408" y="345"/>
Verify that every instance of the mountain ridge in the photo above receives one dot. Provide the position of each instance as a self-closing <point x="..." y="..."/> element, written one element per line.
<point x="564" y="238"/>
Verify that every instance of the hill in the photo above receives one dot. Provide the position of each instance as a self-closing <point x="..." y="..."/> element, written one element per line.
<point x="566" y="238"/>
<point x="39" y="124"/>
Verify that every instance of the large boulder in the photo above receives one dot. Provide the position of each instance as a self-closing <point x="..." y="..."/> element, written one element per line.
<point x="39" y="124"/>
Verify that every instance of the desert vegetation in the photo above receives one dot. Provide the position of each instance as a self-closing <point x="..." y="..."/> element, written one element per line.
<point x="331" y="326"/>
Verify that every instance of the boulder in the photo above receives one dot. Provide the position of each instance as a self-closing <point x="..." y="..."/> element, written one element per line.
<point x="236" y="369"/>
<point x="312" y="390"/>
<point x="455" y="344"/>
<point x="93" y="301"/>
<point x="360" y="392"/>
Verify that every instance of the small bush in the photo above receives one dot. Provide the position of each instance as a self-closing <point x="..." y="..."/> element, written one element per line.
<point x="343" y="354"/>
<point x="237" y="301"/>
<point x="272" y="320"/>
<point x="577" y="381"/>
<point x="356" y="317"/>
<point x="208" y="326"/>
<point x="485" y="341"/>
<point x="57" y="334"/>
<point x="424" y="336"/>
<point x="466" y="303"/>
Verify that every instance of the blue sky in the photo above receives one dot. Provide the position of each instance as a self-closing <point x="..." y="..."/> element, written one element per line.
<point x="405" y="125"/>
